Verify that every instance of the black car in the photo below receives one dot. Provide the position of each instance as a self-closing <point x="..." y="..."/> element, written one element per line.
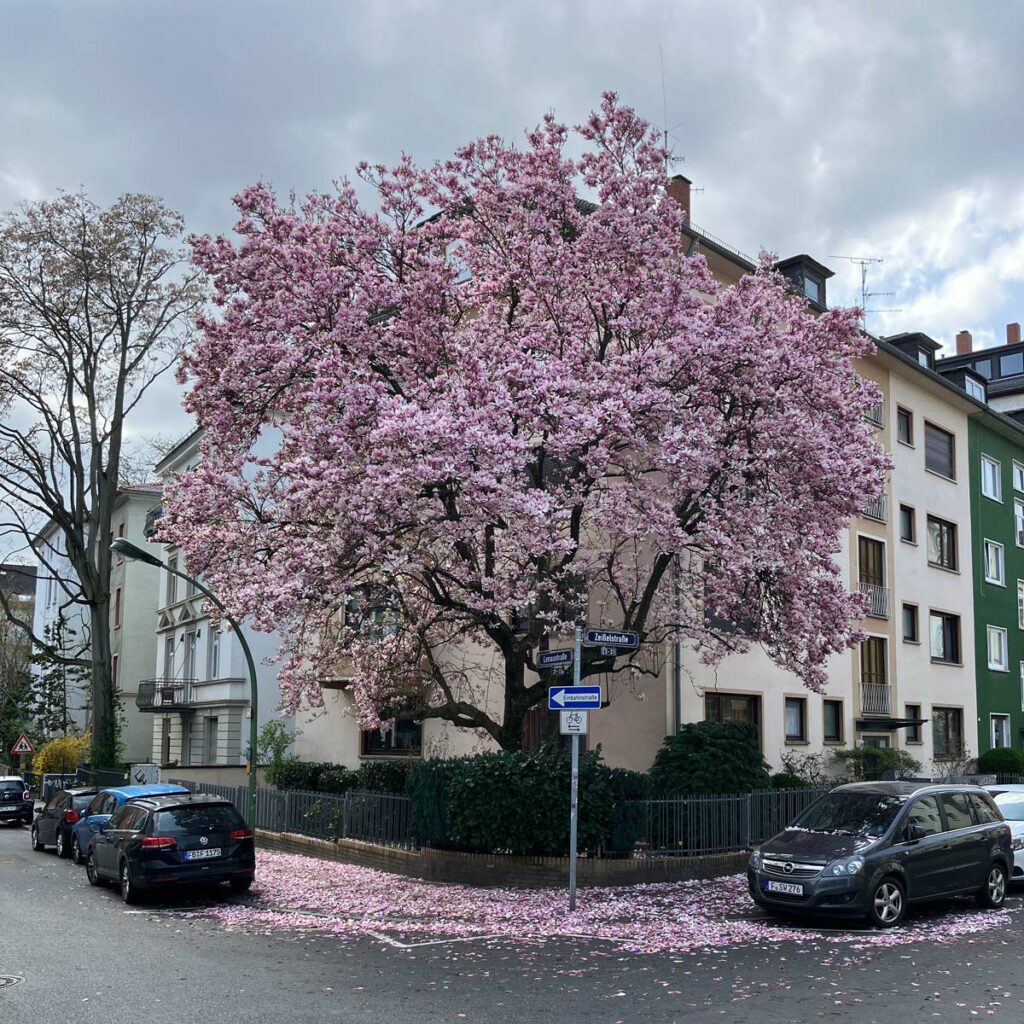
<point x="55" y="821"/>
<point x="15" y="800"/>
<point x="871" y="848"/>
<point x="160" y="841"/>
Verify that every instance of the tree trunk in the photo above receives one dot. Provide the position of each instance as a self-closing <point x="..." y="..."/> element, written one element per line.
<point x="104" y="724"/>
<point x="511" y="736"/>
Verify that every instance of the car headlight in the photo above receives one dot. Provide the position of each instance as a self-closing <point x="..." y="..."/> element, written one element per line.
<point x="847" y="866"/>
<point x="1018" y="842"/>
<point x="755" y="860"/>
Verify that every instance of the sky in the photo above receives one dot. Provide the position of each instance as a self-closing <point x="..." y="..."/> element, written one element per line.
<point x="891" y="131"/>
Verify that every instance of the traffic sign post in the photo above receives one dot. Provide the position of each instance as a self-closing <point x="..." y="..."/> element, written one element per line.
<point x="575" y="784"/>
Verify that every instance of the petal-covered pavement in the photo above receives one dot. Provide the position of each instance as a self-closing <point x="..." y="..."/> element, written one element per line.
<point x="301" y="894"/>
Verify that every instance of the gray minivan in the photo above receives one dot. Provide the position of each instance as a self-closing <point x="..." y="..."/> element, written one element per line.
<point x="870" y="848"/>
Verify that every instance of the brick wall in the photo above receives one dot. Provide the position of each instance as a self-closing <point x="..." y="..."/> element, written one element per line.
<point x="494" y="870"/>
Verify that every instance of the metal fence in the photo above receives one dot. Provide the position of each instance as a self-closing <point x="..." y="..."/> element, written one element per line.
<point x="381" y="818"/>
<point x="693" y="825"/>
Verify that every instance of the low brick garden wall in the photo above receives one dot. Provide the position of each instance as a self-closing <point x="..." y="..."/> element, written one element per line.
<point x="481" y="869"/>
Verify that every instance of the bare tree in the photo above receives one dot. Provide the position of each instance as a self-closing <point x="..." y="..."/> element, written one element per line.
<point x="95" y="304"/>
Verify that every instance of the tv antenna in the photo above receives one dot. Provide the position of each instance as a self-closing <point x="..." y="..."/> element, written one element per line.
<point x="864" y="262"/>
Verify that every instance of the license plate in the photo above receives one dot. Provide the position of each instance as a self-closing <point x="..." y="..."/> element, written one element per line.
<point x="9" y="807"/>
<point x="789" y="888"/>
<point x="202" y="854"/>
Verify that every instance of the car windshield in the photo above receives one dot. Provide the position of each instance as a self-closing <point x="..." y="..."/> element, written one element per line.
<point x="855" y="814"/>
<point x="183" y="821"/>
<point x="1011" y="804"/>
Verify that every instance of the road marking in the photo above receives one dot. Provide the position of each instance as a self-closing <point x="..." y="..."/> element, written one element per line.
<point x="431" y="942"/>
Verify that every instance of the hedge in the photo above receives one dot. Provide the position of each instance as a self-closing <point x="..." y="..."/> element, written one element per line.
<point x="1002" y="761"/>
<point x="386" y="776"/>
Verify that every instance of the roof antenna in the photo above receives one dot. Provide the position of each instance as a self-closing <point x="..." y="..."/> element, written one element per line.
<point x="864" y="262"/>
<point x="666" y="131"/>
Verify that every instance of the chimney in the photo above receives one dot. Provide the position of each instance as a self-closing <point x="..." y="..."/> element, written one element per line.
<point x="1013" y="334"/>
<point x="678" y="188"/>
<point x="963" y="343"/>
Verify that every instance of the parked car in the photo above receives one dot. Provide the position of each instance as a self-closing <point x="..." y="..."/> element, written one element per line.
<point x="160" y="841"/>
<point x="15" y="800"/>
<point x="871" y="848"/>
<point x="54" y="822"/>
<point x="102" y="806"/>
<point x="1010" y="801"/>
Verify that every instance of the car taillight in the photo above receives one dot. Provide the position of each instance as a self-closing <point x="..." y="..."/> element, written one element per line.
<point x="26" y="795"/>
<point x="240" y="833"/>
<point x="158" y="843"/>
<point x="70" y="817"/>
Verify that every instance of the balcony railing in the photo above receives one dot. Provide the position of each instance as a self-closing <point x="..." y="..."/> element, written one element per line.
<point x="876" y="414"/>
<point x="875" y="699"/>
<point x="877" y="509"/>
<point x="878" y="599"/>
<point x="164" y="695"/>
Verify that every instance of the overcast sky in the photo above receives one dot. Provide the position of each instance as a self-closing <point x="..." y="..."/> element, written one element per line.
<point x="886" y="130"/>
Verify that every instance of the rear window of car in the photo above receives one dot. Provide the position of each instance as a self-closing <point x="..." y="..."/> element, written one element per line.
<point x="183" y="821"/>
<point x="11" y="790"/>
<point x="983" y="810"/>
<point x="958" y="811"/>
<point x="81" y="802"/>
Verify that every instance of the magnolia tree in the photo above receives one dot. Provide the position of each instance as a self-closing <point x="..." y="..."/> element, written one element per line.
<point x="495" y="411"/>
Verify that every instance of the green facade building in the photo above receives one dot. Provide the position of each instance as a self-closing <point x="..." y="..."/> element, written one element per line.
<point x="997" y="544"/>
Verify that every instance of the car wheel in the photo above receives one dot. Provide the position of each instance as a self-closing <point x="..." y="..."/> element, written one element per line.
<point x="888" y="903"/>
<point x="90" y="870"/>
<point x="128" y="891"/>
<point x="36" y="845"/>
<point x="992" y="894"/>
<point x="240" y="884"/>
<point x="62" y="844"/>
<point x="76" y="851"/>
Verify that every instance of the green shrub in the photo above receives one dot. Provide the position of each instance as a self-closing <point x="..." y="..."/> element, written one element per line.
<point x="709" y="758"/>
<point x="384" y="776"/>
<point x="336" y="778"/>
<point x="271" y="745"/>
<point x="295" y="774"/>
<point x="511" y="802"/>
<point x="1002" y="761"/>
<point x="868" y="764"/>
<point x="787" y="780"/>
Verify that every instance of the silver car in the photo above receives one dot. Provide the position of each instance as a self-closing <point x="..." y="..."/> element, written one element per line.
<point x="1010" y="800"/>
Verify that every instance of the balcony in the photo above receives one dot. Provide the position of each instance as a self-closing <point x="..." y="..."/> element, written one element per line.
<point x="877" y="509"/>
<point x="160" y="695"/>
<point x="876" y="414"/>
<point x="875" y="699"/>
<point x="878" y="599"/>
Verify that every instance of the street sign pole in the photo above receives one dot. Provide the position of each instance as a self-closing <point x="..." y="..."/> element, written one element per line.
<point x="575" y="785"/>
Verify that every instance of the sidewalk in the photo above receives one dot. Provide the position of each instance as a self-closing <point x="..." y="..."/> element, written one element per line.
<point x="298" y="894"/>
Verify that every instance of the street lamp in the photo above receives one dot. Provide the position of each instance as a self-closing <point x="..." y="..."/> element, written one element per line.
<point x="129" y="550"/>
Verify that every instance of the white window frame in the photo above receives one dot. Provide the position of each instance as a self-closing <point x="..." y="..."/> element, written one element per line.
<point x="1004" y="718"/>
<point x="1018" y="521"/>
<point x="1000" y="553"/>
<point x="974" y="388"/>
<point x="1022" y="686"/>
<point x="1004" y="648"/>
<point x="997" y="467"/>
<point x="1020" y="604"/>
<point x="213" y="666"/>
<point x="1018" y="476"/>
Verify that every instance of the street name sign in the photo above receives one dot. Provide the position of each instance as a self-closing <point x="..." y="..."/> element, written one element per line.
<point x="620" y="639"/>
<point x="22" y="746"/>
<point x="555" y="659"/>
<point x="578" y="698"/>
<point x="573" y="723"/>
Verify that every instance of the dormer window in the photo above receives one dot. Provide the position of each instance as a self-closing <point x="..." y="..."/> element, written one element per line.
<point x="974" y="388"/>
<point x="922" y="358"/>
<point x="814" y="288"/>
<point x="807" y="277"/>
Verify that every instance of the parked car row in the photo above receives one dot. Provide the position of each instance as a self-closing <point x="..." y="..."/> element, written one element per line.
<point x="146" y="838"/>
<point x="872" y="849"/>
<point x="15" y="800"/>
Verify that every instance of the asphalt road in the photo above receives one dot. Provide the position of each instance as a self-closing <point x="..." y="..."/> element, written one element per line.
<point x="78" y="953"/>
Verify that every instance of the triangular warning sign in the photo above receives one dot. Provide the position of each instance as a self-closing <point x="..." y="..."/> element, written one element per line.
<point x="22" y="746"/>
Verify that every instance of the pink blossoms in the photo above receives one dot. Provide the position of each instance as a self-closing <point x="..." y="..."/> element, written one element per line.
<point x="470" y="411"/>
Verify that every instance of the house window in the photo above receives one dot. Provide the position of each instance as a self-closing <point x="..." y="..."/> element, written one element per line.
<point x="941" y="543"/>
<point x="905" y="426"/>
<point x="1018" y="476"/>
<point x="114" y="662"/>
<point x="948" y="732"/>
<point x="1018" y="521"/>
<point x="913" y="711"/>
<point x="796" y="719"/>
<point x="732" y="707"/>
<point x="911" y="634"/>
<point x="1020" y="603"/>
<point x="944" y="634"/>
<point x="165" y="742"/>
<point x="939" y="451"/>
<point x="994" y="567"/>
<point x="210" y="741"/>
<point x="403" y="738"/>
<point x="1011" y="365"/>
<point x="172" y="580"/>
<point x="169" y="658"/>
<point x="991" y="478"/>
<point x="214" y="654"/>
<point x="908" y="530"/>
<point x="832" y="714"/>
<point x="814" y="288"/>
<point x="998" y="658"/>
<point x="873" y="661"/>
<point x="1000" y="730"/>
<point x="189" y="668"/>
<point x="983" y="368"/>
<point x="974" y="388"/>
<point x="117" y="608"/>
